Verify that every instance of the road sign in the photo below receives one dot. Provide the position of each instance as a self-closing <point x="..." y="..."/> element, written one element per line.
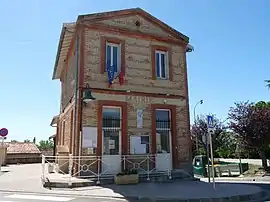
<point x="210" y="121"/>
<point x="3" y="132"/>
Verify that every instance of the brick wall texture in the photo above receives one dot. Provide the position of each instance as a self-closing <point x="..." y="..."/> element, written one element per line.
<point x="138" y="77"/>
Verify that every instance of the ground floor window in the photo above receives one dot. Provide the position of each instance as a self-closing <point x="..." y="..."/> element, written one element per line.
<point x="111" y="130"/>
<point x="163" y="130"/>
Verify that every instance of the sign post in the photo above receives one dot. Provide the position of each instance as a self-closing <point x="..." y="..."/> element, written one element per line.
<point x="210" y="126"/>
<point x="3" y="134"/>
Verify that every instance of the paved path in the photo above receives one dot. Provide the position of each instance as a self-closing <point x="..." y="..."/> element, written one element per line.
<point x="22" y="179"/>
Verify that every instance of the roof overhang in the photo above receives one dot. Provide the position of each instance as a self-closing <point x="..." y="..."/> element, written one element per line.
<point x="67" y="33"/>
<point x="54" y="121"/>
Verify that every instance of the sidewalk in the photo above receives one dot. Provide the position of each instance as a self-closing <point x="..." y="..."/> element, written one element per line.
<point x="26" y="178"/>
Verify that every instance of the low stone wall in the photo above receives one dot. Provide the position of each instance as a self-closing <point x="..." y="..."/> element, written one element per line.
<point x="48" y="152"/>
<point x="23" y="158"/>
<point x="250" y="161"/>
<point x="3" y="156"/>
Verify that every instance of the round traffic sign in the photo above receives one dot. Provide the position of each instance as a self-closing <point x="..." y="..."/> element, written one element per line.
<point x="3" y="132"/>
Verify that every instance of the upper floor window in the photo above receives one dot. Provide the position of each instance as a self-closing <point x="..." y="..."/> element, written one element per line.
<point x="161" y="64"/>
<point x="113" y="57"/>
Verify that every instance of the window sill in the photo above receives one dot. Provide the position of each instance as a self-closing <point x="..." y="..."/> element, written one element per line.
<point x="158" y="78"/>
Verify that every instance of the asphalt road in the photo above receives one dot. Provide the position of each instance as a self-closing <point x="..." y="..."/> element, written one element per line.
<point x="26" y="197"/>
<point x="265" y="186"/>
<point x="21" y="197"/>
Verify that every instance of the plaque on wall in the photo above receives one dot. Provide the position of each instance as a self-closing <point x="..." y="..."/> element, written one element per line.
<point x="89" y="137"/>
<point x="139" y="118"/>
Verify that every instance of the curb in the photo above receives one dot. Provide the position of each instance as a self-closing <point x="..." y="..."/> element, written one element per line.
<point x="258" y="197"/>
<point x="67" y="185"/>
<point x="239" y="180"/>
<point x="49" y="184"/>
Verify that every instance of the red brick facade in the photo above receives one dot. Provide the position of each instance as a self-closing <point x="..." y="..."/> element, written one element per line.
<point x="141" y="89"/>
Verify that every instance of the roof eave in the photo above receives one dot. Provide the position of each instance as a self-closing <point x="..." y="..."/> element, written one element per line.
<point x="139" y="11"/>
<point x="165" y="25"/>
<point x="54" y="120"/>
<point x="58" y="52"/>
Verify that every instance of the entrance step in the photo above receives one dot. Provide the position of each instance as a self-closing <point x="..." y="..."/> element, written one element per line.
<point x="65" y="181"/>
<point x="158" y="177"/>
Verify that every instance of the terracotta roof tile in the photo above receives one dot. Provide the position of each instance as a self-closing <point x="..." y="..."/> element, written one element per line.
<point x="21" y="147"/>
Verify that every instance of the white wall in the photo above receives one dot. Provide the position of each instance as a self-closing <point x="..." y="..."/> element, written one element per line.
<point x="250" y="161"/>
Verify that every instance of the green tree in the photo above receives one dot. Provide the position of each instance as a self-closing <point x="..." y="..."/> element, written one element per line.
<point x="26" y="141"/>
<point x="199" y="129"/>
<point x="228" y="142"/>
<point x="45" y="144"/>
<point x="267" y="83"/>
<point x="251" y="123"/>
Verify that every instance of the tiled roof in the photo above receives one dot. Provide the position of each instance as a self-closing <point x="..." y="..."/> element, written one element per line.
<point x="21" y="148"/>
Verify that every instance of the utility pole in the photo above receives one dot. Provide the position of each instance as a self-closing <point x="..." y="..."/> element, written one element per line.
<point x="194" y="116"/>
<point x="211" y="129"/>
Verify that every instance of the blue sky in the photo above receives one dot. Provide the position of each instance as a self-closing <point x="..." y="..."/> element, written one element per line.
<point x="230" y="62"/>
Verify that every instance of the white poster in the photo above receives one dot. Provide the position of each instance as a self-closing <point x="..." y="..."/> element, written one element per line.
<point x="136" y="146"/>
<point x="139" y="118"/>
<point x="89" y="137"/>
<point x="111" y="144"/>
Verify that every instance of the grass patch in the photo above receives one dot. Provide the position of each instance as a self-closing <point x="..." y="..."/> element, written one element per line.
<point x="254" y="170"/>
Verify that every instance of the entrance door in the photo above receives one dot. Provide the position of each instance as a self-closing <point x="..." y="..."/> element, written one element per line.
<point x="111" y="140"/>
<point x="163" y="140"/>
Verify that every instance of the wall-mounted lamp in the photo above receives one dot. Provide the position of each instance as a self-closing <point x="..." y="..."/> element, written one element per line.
<point x="87" y="94"/>
<point x="189" y="48"/>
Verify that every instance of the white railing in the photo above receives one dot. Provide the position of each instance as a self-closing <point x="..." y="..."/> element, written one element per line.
<point x="98" y="167"/>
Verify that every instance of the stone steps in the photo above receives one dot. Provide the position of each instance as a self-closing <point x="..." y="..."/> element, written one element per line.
<point x="159" y="177"/>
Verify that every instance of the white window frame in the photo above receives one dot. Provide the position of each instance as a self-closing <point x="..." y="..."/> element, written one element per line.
<point x="118" y="55"/>
<point x="165" y="53"/>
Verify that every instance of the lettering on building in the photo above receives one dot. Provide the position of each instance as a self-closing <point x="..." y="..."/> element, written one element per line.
<point x="139" y="99"/>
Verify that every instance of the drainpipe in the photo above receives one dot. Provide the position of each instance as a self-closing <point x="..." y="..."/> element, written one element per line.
<point x="75" y="135"/>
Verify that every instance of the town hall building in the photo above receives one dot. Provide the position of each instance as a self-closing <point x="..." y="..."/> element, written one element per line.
<point x="124" y="91"/>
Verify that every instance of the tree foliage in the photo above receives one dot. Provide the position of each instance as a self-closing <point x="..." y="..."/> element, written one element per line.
<point x="267" y="83"/>
<point x="199" y="129"/>
<point x="45" y="144"/>
<point x="251" y="123"/>
<point x="228" y="144"/>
